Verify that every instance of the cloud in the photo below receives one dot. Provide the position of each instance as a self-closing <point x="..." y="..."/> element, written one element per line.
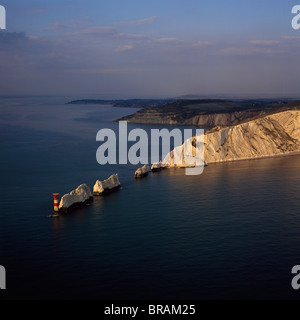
<point x="137" y="22"/>
<point x="248" y="51"/>
<point x="264" y="42"/>
<point x="100" y="71"/>
<point x="68" y="24"/>
<point x="203" y="44"/>
<point x="124" y="48"/>
<point x="96" y="31"/>
<point x="105" y="31"/>
<point x="46" y="8"/>
<point x="131" y="36"/>
<point x="33" y="37"/>
<point x="167" y="40"/>
<point x="291" y="37"/>
<point x="8" y="37"/>
<point x="55" y="26"/>
<point x="36" y="10"/>
<point x="20" y="51"/>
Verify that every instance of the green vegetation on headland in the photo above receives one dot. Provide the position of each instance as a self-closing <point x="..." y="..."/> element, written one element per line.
<point x="196" y="112"/>
<point x="131" y="103"/>
<point x="209" y="112"/>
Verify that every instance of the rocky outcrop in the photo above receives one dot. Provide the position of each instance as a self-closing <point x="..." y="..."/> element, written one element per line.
<point x="142" y="172"/>
<point x="203" y="120"/>
<point x="163" y="165"/>
<point x="271" y="135"/>
<point x="156" y="167"/>
<point x="209" y="112"/>
<point x="79" y="197"/>
<point x="106" y="186"/>
<point x="223" y="119"/>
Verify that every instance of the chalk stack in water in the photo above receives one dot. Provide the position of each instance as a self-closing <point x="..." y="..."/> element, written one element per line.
<point x="77" y="198"/>
<point x="142" y="172"/>
<point x="109" y="185"/>
<point x="156" y="167"/>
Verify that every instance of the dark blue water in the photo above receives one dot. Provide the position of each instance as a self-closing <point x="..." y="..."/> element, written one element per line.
<point x="231" y="233"/>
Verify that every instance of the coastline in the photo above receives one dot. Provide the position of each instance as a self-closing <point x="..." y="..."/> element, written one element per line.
<point x="181" y="219"/>
<point x="293" y="153"/>
<point x="289" y="154"/>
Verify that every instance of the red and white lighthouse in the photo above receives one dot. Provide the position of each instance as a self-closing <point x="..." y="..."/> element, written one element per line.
<point x="56" y="201"/>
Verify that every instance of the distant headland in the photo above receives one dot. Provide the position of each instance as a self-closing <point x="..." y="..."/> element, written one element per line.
<point x="209" y="112"/>
<point x="197" y="112"/>
<point x="130" y="103"/>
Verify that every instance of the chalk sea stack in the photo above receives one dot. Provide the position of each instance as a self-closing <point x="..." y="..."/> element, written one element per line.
<point x="156" y="167"/>
<point x="142" y="172"/>
<point x="163" y="165"/>
<point x="109" y="185"/>
<point x="77" y="198"/>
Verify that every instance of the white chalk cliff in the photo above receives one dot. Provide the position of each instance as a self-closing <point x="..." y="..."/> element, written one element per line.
<point x="272" y="135"/>
<point x="76" y="197"/>
<point x="107" y="185"/>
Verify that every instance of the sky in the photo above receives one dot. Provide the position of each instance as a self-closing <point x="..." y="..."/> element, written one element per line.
<point x="149" y="49"/>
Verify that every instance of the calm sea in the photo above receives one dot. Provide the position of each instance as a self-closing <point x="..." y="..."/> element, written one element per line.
<point x="231" y="233"/>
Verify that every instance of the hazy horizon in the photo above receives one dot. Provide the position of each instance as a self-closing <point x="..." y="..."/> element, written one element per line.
<point x="75" y="96"/>
<point x="139" y="49"/>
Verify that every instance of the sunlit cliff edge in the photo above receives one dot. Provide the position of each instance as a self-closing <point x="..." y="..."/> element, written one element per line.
<point x="272" y="135"/>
